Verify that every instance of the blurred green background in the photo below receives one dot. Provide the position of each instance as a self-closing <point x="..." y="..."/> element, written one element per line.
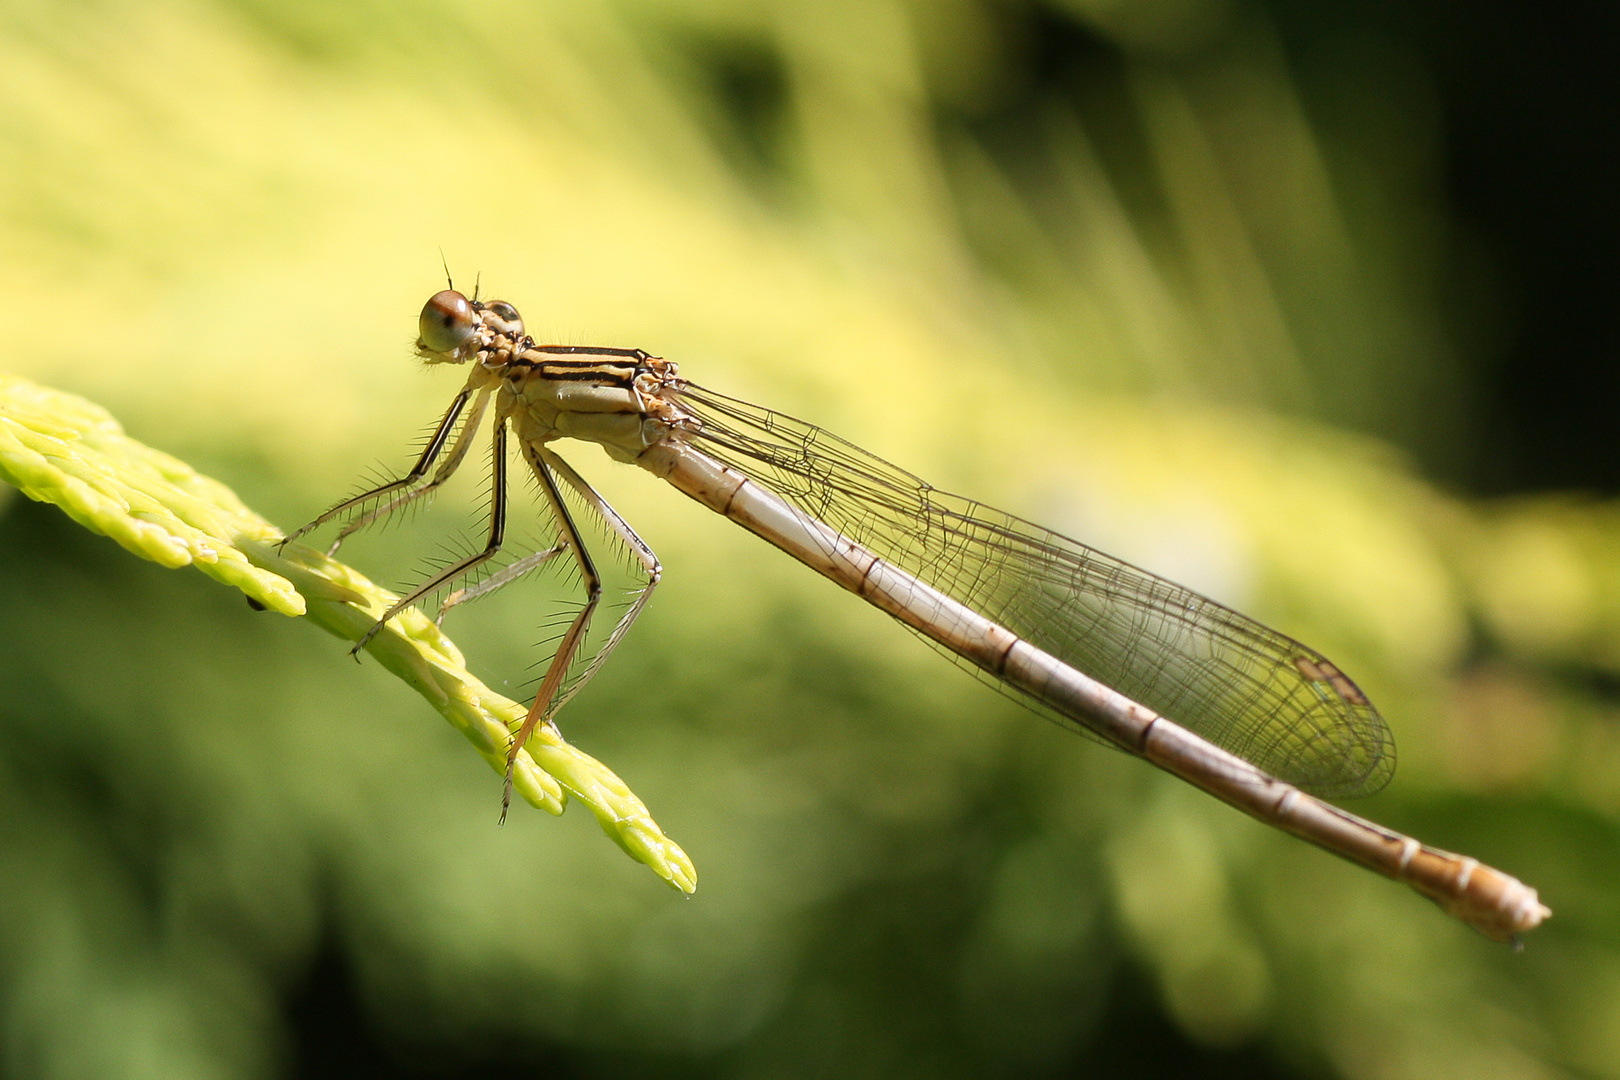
<point x="1307" y="306"/>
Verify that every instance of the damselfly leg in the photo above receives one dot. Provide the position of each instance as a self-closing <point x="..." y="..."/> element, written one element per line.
<point x="460" y="569"/>
<point x="430" y="454"/>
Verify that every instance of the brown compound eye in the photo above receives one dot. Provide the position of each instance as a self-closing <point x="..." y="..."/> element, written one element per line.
<point x="447" y="322"/>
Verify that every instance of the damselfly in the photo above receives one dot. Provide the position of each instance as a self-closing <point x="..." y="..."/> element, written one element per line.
<point x="1233" y="707"/>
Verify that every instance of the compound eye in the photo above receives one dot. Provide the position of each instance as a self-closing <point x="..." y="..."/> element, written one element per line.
<point x="510" y="322"/>
<point x="447" y="322"/>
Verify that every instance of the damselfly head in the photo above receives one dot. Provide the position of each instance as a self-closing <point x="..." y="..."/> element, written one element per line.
<point x="450" y="327"/>
<point x="447" y="323"/>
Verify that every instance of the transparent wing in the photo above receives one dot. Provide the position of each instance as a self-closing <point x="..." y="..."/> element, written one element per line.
<point x="1241" y="685"/>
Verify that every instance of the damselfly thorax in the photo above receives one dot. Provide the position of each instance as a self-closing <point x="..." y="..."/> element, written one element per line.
<point x="1104" y="648"/>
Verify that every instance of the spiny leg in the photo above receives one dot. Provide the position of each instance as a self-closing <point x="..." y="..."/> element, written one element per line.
<point x="430" y="453"/>
<point x="568" y="647"/>
<point x="447" y="468"/>
<point x="638" y="548"/>
<point x="498" y="580"/>
<point x="497" y="534"/>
